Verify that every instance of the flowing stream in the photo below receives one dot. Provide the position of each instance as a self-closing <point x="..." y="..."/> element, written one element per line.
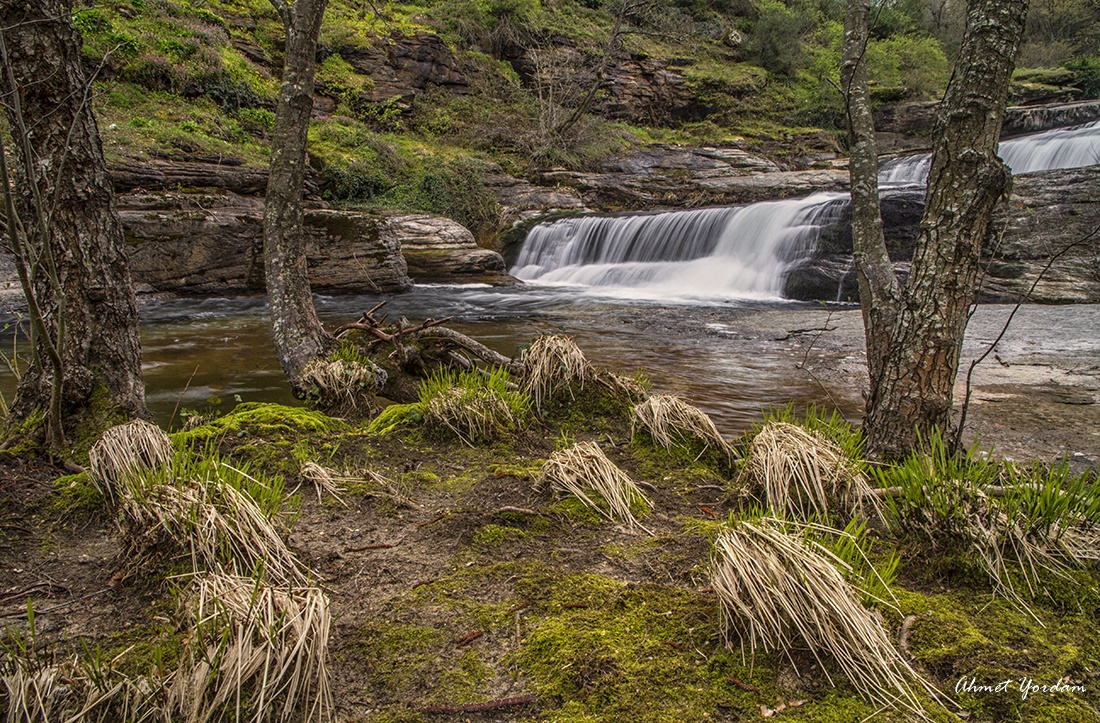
<point x="690" y="298"/>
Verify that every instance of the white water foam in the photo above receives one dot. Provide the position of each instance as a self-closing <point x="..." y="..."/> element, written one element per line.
<point x="713" y="253"/>
<point x="741" y="252"/>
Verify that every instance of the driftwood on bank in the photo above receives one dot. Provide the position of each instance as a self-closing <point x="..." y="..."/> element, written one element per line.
<point x="409" y="352"/>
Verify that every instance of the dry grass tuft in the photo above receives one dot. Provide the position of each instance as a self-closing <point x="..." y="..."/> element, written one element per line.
<point x="337" y="483"/>
<point x="343" y="384"/>
<point x="126" y="451"/>
<point x="670" y="420"/>
<point x="585" y="472"/>
<point x="803" y="474"/>
<point x="552" y="363"/>
<point x="472" y="415"/>
<point x="247" y="633"/>
<point x="777" y="588"/>
<point x="219" y="522"/>
<point x="324" y="480"/>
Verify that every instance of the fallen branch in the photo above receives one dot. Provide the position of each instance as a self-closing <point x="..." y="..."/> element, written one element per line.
<point x="432" y="521"/>
<point x="468" y="638"/>
<point x="742" y="686"/>
<point x="903" y="635"/>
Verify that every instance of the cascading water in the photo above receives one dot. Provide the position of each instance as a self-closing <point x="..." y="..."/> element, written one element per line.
<point x="1061" y="148"/>
<point x="741" y="252"/>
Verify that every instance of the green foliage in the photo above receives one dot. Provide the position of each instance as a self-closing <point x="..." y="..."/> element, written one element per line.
<point x="775" y="40"/>
<point x="474" y="406"/>
<point x="1020" y="527"/>
<point x="907" y="67"/>
<point x="1087" y="71"/>
<point x="394" y="416"/>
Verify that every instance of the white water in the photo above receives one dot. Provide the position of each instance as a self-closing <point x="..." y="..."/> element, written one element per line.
<point x="713" y="253"/>
<point x="742" y="252"/>
<point x="1061" y="148"/>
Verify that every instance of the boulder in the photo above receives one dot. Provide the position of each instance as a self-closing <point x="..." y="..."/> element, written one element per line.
<point x="440" y="250"/>
<point x="211" y="242"/>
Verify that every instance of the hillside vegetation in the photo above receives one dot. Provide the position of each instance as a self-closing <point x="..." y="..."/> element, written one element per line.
<point x="415" y="101"/>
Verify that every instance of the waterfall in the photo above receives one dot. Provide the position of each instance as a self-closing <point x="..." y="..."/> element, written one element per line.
<point x="742" y="252"/>
<point x="1061" y="148"/>
<point x="739" y="252"/>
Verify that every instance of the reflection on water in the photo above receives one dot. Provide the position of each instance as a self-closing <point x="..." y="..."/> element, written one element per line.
<point x="203" y="351"/>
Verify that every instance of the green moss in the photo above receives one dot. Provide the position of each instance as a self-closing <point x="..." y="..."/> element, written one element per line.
<point x="963" y="635"/>
<point x="75" y="494"/>
<point x="591" y="408"/>
<point x="491" y="536"/>
<point x="394" y="416"/>
<point x="607" y="651"/>
<point x="683" y="467"/>
<point x="406" y="659"/>
<point x="267" y="422"/>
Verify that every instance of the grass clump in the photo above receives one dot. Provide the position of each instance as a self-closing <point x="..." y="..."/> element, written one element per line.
<point x="804" y="474"/>
<point x="586" y="473"/>
<point x="221" y="514"/>
<point x="671" y="421"/>
<point x="1019" y="526"/>
<point x="364" y="483"/>
<point x="124" y="452"/>
<point x="777" y="587"/>
<point x="553" y="363"/>
<point x="476" y="407"/>
<point x="342" y="384"/>
<point x="274" y="640"/>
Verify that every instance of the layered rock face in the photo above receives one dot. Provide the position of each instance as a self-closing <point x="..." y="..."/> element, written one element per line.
<point x="211" y="242"/>
<point x="674" y="177"/>
<point x="402" y="67"/>
<point x="441" y="250"/>
<point x="1051" y="219"/>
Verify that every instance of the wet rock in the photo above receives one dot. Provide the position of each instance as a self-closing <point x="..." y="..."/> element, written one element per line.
<point x="440" y="250"/>
<point x="1047" y="220"/>
<point x="211" y="242"/>
<point x="522" y="201"/>
<point x="1032" y="119"/>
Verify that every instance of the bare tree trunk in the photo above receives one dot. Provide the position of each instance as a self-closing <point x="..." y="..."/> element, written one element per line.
<point x="878" y="285"/>
<point x="913" y="373"/>
<point x="299" y="336"/>
<point x="62" y="217"/>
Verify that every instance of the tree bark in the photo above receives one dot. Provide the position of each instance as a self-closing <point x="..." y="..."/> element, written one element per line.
<point x="298" y="334"/>
<point x="913" y="373"/>
<point x="65" y="210"/>
<point x="878" y="285"/>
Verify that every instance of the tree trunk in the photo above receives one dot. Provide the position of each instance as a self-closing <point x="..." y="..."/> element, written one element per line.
<point x="878" y="285"/>
<point x="913" y="374"/>
<point x="298" y="334"/>
<point x="65" y="213"/>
